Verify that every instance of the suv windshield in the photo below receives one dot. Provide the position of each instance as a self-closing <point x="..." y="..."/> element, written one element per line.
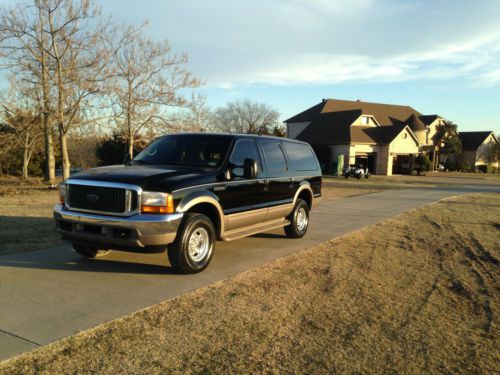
<point x="204" y="151"/>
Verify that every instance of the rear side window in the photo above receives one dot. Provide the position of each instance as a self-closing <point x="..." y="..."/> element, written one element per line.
<point x="302" y="156"/>
<point x="244" y="149"/>
<point x="275" y="159"/>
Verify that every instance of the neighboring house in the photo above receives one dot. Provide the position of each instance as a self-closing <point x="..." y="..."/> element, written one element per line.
<point x="475" y="148"/>
<point x="383" y="137"/>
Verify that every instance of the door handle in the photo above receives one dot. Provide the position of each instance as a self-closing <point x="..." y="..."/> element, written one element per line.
<point x="264" y="184"/>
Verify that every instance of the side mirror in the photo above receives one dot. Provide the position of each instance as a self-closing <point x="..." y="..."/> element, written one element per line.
<point x="127" y="159"/>
<point x="250" y="169"/>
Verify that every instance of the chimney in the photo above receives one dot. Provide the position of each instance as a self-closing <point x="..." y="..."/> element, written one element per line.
<point x="358" y="100"/>
<point x="323" y="100"/>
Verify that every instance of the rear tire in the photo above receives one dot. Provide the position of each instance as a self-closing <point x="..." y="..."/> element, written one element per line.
<point x="194" y="245"/>
<point x="299" y="220"/>
<point x="359" y="175"/>
<point x="90" y="252"/>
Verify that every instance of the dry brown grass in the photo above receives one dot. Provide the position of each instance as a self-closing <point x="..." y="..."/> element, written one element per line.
<point x="11" y="185"/>
<point x="416" y="294"/>
<point x="26" y="221"/>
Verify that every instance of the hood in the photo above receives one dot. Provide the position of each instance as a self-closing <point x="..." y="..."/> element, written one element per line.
<point x="148" y="177"/>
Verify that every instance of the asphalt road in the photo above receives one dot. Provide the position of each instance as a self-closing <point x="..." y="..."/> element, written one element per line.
<point x="50" y="294"/>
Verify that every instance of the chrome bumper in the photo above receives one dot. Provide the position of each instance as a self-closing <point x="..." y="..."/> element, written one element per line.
<point x="137" y="231"/>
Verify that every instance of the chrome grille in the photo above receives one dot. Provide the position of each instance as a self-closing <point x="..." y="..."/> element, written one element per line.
<point x="101" y="198"/>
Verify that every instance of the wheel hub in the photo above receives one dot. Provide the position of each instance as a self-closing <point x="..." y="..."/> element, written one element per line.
<point x="301" y="219"/>
<point x="199" y="244"/>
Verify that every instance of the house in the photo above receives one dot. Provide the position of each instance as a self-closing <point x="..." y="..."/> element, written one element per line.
<point x="383" y="137"/>
<point x="476" y="147"/>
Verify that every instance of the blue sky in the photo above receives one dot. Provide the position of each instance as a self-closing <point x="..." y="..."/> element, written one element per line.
<point x="438" y="56"/>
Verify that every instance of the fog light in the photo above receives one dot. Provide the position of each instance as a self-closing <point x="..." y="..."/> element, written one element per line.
<point x="79" y="226"/>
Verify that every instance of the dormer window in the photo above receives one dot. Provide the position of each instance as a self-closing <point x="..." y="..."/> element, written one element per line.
<point x="365" y="120"/>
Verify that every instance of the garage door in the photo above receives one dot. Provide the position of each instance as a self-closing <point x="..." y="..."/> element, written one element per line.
<point x="401" y="164"/>
<point x="368" y="160"/>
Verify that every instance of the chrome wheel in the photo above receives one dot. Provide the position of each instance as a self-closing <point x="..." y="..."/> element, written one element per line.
<point x="301" y="219"/>
<point x="199" y="244"/>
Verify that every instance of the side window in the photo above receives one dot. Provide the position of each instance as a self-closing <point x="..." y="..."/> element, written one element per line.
<point x="244" y="149"/>
<point x="275" y="159"/>
<point x="302" y="156"/>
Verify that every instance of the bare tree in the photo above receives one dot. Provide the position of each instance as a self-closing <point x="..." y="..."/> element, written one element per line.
<point x="56" y="41"/>
<point x="22" y="124"/>
<point x="197" y="117"/>
<point x="24" y="44"/>
<point x="149" y="80"/>
<point x="246" y="117"/>
<point x="79" y="64"/>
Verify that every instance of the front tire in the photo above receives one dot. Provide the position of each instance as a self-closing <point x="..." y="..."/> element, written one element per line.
<point x="90" y="252"/>
<point x="194" y="244"/>
<point x="299" y="220"/>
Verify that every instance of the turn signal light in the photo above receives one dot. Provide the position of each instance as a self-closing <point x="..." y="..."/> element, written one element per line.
<point x="157" y="203"/>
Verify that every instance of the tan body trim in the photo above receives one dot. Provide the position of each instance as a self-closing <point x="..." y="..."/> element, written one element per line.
<point x="243" y="219"/>
<point x="246" y="223"/>
<point x="300" y="190"/>
<point x="205" y="199"/>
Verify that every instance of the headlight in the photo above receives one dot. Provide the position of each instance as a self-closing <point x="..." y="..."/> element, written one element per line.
<point x="62" y="193"/>
<point x="156" y="203"/>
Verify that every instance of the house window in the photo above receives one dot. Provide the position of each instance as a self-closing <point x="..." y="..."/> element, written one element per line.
<point x="364" y="120"/>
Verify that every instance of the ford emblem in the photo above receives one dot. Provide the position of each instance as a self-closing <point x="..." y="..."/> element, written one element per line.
<point x="92" y="198"/>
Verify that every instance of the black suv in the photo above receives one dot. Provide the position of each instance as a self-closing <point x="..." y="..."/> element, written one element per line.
<point x="184" y="191"/>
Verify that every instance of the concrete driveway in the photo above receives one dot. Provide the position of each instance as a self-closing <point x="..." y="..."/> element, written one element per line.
<point x="50" y="294"/>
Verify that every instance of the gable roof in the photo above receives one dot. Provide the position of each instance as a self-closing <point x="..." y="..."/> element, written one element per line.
<point x="472" y="140"/>
<point x="415" y="123"/>
<point x="332" y="127"/>
<point x="428" y="119"/>
<point x="385" y="114"/>
<point x="327" y="130"/>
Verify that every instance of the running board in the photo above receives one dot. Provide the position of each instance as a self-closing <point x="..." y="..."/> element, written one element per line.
<point x="254" y="229"/>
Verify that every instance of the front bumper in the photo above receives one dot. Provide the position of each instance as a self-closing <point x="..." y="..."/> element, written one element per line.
<point x="137" y="231"/>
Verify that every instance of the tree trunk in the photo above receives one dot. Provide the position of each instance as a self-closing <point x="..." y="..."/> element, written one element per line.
<point x="66" y="166"/>
<point x="50" y="165"/>
<point x="131" y="144"/>
<point x="60" y="104"/>
<point x="25" y="163"/>
<point x="129" y="121"/>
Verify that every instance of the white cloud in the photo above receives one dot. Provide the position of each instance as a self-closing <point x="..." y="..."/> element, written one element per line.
<point x="272" y="42"/>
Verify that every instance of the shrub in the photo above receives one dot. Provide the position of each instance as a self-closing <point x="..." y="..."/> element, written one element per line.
<point x="466" y="167"/>
<point x="422" y="163"/>
<point x="491" y="169"/>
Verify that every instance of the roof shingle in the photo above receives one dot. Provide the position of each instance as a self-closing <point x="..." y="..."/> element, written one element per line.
<point x="472" y="140"/>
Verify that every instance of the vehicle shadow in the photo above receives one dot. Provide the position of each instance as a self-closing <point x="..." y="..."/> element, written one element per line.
<point x="268" y="235"/>
<point x="32" y="242"/>
<point x="65" y="260"/>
